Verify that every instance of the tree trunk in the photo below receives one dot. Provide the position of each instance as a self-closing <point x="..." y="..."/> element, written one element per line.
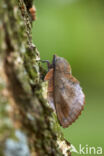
<point x="31" y="112"/>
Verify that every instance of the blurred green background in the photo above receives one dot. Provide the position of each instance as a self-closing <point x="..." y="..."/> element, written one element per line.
<point x="74" y="29"/>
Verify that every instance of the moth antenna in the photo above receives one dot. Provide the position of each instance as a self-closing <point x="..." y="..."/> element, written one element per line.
<point x="53" y="62"/>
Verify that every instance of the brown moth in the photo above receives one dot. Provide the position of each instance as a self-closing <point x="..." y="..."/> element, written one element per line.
<point x="64" y="92"/>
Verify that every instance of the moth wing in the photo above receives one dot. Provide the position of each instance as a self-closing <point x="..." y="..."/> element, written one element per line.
<point x="68" y="98"/>
<point x="49" y="78"/>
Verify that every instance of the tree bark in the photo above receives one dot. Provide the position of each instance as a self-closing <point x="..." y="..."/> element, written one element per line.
<point x="24" y="81"/>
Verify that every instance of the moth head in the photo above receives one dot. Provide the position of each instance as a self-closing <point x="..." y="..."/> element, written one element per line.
<point x="61" y="65"/>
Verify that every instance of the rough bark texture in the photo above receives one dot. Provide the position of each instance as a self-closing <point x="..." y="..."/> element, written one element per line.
<point x="23" y="73"/>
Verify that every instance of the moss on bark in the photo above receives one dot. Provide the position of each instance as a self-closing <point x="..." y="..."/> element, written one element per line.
<point x="23" y="79"/>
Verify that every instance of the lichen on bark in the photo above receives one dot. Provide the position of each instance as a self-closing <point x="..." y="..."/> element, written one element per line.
<point x="23" y="79"/>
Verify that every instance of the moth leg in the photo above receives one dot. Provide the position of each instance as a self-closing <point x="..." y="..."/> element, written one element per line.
<point x="49" y="65"/>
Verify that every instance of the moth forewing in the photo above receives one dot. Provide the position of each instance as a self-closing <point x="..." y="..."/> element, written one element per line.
<point x="68" y="95"/>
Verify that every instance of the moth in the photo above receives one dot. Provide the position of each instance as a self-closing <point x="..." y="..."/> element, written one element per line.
<point x="64" y="92"/>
